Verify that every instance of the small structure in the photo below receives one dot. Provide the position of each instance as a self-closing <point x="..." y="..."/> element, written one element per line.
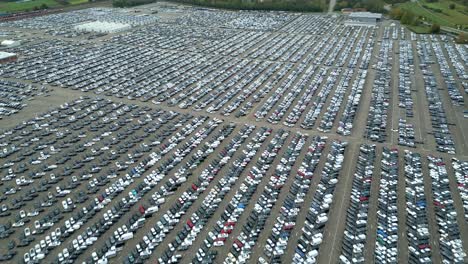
<point x="363" y="19"/>
<point x="102" y="27"/>
<point x="7" y="57"/>
<point x="9" y="43"/>
<point x="346" y="11"/>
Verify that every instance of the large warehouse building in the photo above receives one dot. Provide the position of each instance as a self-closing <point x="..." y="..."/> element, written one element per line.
<point x="9" y="43"/>
<point x="103" y="27"/>
<point x="7" y="57"/>
<point x="363" y="19"/>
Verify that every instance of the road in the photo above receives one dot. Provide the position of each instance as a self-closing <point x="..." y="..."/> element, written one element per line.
<point x="331" y="7"/>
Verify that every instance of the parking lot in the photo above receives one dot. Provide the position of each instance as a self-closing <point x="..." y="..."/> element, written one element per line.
<point x="210" y="136"/>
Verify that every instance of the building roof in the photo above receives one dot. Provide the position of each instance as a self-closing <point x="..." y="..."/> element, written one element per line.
<point x="100" y="26"/>
<point x="8" y="42"/>
<point x="5" y="55"/>
<point x="359" y="23"/>
<point x="365" y="15"/>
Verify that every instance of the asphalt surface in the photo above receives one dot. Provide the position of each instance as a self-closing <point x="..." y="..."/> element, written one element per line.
<point x="333" y="235"/>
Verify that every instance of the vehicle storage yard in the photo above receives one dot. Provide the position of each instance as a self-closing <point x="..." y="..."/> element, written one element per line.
<point x="176" y="134"/>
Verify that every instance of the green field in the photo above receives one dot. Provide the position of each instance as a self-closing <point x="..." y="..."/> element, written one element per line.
<point x="445" y="17"/>
<point x="419" y="29"/>
<point x="77" y="2"/>
<point x="11" y="7"/>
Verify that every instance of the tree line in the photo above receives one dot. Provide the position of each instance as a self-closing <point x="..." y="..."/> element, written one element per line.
<point x="407" y="17"/>
<point x="276" y="5"/>
<point x="376" y="6"/>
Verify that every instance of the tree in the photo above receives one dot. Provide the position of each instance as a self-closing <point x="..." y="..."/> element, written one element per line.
<point x="64" y="2"/>
<point x="407" y="18"/>
<point x="462" y="38"/>
<point x="396" y="13"/>
<point x="44" y="6"/>
<point x="120" y="3"/>
<point x="452" y="6"/>
<point x="435" y="28"/>
<point x="374" y="5"/>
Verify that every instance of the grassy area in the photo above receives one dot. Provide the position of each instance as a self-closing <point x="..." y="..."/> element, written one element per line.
<point x="370" y="5"/>
<point x="77" y="2"/>
<point x="419" y="29"/>
<point x="11" y="7"/>
<point x="439" y="12"/>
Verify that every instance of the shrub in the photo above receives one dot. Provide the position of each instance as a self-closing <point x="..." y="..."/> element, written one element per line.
<point x="396" y="13"/>
<point x="462" y="38"/>
<point x="408" y="18"/>
<point x="435" y="28"/>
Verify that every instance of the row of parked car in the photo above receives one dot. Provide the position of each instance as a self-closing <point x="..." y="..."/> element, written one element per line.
<point x="341" y="51"/>
<point x="48" y="126"/>
<point x="88" y="212"/>
<point x="406" y="135"/>
<point x="218" y="41"/>
<point x="114" y="244"/>
<point x="449" y="79"/>
<point x="246" y="240"/>
<point x="267" y="87"/>
<point x="345" y="124"/>
<point x="376" y="129"/>
<point x="317" y="216"/>
<point x="320" y="99"/>
<point x="256" y="90"/>
<point x="459" y="57"/>
<point x="194" y="225"/>
<point x="406" y="71"/>
<point x="450" y="243"/>
<point x="286" y="100"/>
<point x="181" y="74"/>
<point x="259" y="21"/>
<point x="285" y="48"/>
<point x="278" y="93"/>
<point x="286" y="221"/>
<point x="199" y="219"/>
<point x="35" y="141"/>
<point x="440" y="124"/>
<point x="359" y="58"/>
<point x="461" y="177"/>
<point x="223" y="93"/>
<point x="311" y="24"/>
<point x="191" y="226"/>
<point x="63" y="24"/>
<point x="306" y="98"/>
<point x="334" y="106"/>
<point x="240" y="201"/>
<point x="417" y="231"/>
<point x="106" y="191"/>
<point x="386" y="244"/>
<point x="14" y="96"/>
<point x="198" y="71"/>
<point x="187" y="235"/>
<point x="206" y="73"/>
<point x="144" y="248"/>
<point x="355" y="233"/>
